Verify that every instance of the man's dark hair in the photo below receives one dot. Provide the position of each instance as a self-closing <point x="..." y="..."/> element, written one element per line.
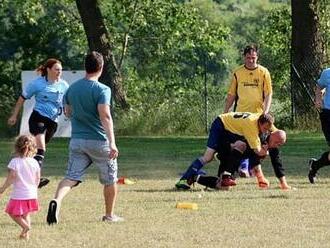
<point x="93" y="62"/>
<point x="266" y="118"/>
<point x="250" y="48"/>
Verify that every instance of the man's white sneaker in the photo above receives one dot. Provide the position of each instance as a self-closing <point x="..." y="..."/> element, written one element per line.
<point x="113" y="218"/>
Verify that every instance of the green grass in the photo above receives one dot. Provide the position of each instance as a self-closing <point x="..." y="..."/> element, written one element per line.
<point x="242" y="217"/>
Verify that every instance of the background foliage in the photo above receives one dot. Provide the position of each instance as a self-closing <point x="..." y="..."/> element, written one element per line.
<point x="176" y="56"/>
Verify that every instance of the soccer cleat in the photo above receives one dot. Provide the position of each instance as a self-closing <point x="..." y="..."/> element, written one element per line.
<point x="263" y="183"/>
<point x="43" y="182"/>
<point x="182" y="184"/>
<point x="227" y="181"/>
<point x="52" y="215"/>
<point x="312" y="172"/>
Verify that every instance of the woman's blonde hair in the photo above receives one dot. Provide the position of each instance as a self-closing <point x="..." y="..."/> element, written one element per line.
<point x="25" y="145"/>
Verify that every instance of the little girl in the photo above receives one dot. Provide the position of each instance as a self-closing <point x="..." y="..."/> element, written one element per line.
<point x="24" y="175"/>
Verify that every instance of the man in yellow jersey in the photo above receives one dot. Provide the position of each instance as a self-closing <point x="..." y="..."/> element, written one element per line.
<point x="250" y="90"/>
<point x="251" y="87"/>
<point x="230" y="136"/>
<point x="274" y="140"/>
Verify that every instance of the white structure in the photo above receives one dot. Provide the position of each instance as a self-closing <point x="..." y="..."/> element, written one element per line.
<point x="64" y="125"/>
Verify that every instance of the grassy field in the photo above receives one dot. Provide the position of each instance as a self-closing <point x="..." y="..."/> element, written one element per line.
<point x="242" y="217"/>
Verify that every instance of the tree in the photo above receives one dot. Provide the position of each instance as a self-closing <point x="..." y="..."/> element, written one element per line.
<point x="307" y="52"/>
<point x="99" y="40"/>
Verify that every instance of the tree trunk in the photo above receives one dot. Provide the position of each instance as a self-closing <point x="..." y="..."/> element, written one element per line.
<point x="98" y="40"/>
<point x="307" y="53"/>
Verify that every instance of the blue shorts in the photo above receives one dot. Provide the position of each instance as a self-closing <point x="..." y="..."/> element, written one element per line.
<point x="220" y="139"/>
<point x="82" y="153"/>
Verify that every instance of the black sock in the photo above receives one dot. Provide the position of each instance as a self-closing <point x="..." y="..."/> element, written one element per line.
<point x="233" y="161"/>
<point x="208" y="181"/>
<point x="40" y="156"/>
<point x="322" y="161"/>
<point x="222" y="167"/>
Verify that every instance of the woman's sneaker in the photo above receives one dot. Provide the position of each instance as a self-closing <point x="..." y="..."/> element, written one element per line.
<point x="113" y="218"/>
<point x="43" y="182"/>
<point x="312" y="172"/>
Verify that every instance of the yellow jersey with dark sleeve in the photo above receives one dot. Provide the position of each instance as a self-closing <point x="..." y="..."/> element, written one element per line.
<point x="250" y="88"/>
<point x="244" y="124"/>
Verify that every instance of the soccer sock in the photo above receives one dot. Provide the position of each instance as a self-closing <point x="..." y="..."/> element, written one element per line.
<point x="207" y="181"/>
<point x="233" y="161"/>
<point x="222" y="167"/>
<point x="322" y="161"/>
<point x="193" y="169"/>
<point x="40" y="156"/>
<point x="244" y="164"/>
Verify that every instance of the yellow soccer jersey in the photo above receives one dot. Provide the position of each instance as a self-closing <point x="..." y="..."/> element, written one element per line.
<point x="250" y="87"/>
<point x="244" y="124"/>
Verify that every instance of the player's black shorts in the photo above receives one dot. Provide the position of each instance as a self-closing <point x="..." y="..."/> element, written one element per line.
<point x="39" y="124"/>
<point x="325" y="123"/>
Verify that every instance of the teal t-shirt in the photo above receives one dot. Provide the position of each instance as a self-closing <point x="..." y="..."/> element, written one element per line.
<point x="84" y="96"/>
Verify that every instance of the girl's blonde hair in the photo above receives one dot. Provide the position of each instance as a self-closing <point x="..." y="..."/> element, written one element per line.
<point x="25" y="145"/>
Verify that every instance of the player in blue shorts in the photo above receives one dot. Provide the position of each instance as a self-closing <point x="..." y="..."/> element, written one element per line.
<point x="230" y="135"/>
<point x="272" y="141"/>
<point x="48" y="90"/>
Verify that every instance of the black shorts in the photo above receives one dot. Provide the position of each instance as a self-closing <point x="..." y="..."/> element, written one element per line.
<point x="325" y="124"/>
<point x="39" y="124"/>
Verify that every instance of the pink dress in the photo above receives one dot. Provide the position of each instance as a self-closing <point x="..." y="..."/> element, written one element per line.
<point x="24" y="197"/>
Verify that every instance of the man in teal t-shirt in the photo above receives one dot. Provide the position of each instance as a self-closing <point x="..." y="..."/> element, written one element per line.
<point x="87" y="103"/>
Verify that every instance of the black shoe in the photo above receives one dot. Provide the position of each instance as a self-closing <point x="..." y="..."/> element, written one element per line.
<point x="43" y="182"/>
<point x="312" y="172"/>
<point x="192" y="180"/>
<point x="52" y="215"/>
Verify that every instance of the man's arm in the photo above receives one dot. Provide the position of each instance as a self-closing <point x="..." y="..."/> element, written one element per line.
<point x="229" y="102"/>
<point x="267" y="103"/>
<point x="9" y="181"/>
<point x="262" y="151"/>
<point x="318" y="97"/>
<point x="107" y="123"/>
<point x="67" y="110"/>
<point x="274" y="154"/>
<point x="13" y="118"/>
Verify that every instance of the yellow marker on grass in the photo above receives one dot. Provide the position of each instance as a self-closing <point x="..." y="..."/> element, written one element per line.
<point x="187" y="205"/>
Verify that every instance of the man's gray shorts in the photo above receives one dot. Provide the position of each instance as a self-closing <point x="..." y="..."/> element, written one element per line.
<point x="82" y="153"/>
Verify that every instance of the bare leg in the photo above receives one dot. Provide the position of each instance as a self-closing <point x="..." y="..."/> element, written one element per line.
<point x="27" y="218"/>
<point x="110" y="195"/>
<point x="63" y="189"/>
<point x="24" y="224"/>
<point x="40" y="141"/>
